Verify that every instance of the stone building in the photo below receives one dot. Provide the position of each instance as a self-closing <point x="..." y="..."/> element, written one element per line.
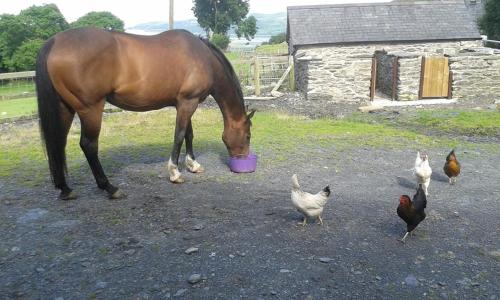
<point x="405" y="50"/>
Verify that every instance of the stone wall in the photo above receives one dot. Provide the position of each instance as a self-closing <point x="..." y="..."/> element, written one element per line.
<point x="342" y="73"/>
<point x="409" y="77"/>
<point x="476" y="76"/>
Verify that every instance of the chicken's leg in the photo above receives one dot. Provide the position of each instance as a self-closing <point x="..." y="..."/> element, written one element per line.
<point x="320" y="220"/>
<point x="404" y="238"/>
<point x="304" y="222"/>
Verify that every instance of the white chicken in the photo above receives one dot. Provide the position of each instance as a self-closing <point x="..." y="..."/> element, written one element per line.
<point x="423" y="171"/>
<point x="310" y="205"/>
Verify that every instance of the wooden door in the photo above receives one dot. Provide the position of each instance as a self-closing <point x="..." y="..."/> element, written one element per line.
<point x="373" y="83"/>
<point x="435" y="78"/>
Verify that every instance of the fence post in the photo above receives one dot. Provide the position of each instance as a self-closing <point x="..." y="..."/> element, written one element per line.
<point x="256" y="76"/>
<point x="291" y="79"/>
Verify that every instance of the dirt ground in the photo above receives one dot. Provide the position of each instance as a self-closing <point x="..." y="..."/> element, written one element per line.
<point x="244" y="229"/>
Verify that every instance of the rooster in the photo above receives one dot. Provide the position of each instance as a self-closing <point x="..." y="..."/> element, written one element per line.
<point x="423" y="171"/>
<point x="412" y="212"/>
<point x="452" y="167"/>
<point x="310" y="205"/>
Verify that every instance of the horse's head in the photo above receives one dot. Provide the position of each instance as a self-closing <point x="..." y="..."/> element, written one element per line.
<point x="236" y="136"/>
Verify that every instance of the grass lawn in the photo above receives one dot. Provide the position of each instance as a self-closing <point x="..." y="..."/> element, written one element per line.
<point x="460" y="122"/>
<point x="17" y="87"/>
<point x="17" y="107"/>
<point x="139" y="136"/>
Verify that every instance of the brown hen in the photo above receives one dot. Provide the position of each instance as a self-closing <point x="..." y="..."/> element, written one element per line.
<point x="452" y="167"/>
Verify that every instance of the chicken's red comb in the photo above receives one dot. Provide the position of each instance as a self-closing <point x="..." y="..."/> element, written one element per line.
<point x="404" y="199"/>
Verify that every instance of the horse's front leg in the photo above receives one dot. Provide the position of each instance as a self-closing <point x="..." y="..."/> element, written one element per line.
<point x="184" y="113"/>
<point x="191" y="164"/>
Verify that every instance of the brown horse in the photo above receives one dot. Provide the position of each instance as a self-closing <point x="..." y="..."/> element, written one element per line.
<point x="79" y="69"/>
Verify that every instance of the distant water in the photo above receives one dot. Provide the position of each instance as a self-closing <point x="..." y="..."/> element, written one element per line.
<point x="236" y="43"/>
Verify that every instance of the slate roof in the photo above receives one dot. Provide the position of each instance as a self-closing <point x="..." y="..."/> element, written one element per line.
<point x="379" y="22"/>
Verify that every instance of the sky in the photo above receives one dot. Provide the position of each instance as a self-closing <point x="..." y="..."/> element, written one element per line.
<point x="143" y="11"/>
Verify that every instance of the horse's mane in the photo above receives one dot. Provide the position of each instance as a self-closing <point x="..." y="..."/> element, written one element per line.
<point x="228" y="68"/>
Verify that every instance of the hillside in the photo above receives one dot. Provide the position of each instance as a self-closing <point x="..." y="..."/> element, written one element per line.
<point x="268" y="25"/>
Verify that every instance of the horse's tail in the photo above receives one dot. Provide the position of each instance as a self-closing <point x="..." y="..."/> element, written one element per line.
<point x="51" y="125"/>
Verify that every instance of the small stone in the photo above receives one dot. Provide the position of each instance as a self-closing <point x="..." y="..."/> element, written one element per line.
<point x="442" y="283"/>
<point x="85" y="264"/>
<point x="231" y="256"/>
<point x="198" y="227"/>
<point x="32" y="215"/>
<point x="130" y="252"/>
<point x="133" y="240"/>
<point x="325" y="260"/>
<point x="378" y="278"/>
<point x="358" y="273"/>
<point x="495" y="254"/>
<point x="195" y="278"/>
<point x="285" y="271"/>
<point x="101" y="285"/>
<point x="274" y="293"/>
<point x="40" y="270"/>
<point x="411" y="280"/>
<point x="180" y="292"/>
<point x="59" y="298"/>
<point x="191" y="250"/>
<point x="15" y="249"/>
<point x="475" y="284"/>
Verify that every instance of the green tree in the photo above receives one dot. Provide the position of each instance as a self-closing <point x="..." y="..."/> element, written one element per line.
<point x="217" y="16"/>
<point x="24" y="58"/>
<point x="247" y="28"/>
<point x="102" y="19"/>
<point x="43" y="21"/>
<point x="19" y="34"/>
<point x="278" y="38"/>
<point x="489" y="23"/>
<point x="13" y="33"/>
<point x="220" y="40"/>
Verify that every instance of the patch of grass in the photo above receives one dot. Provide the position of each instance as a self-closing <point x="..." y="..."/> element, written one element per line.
<point x="17" y="87"/>
<point x="17" y="107"/>
<point x="272" y="49"/>
<point x="128" y="138"/>
<point x="459" y="122"/>
<point x="104" y="250"/>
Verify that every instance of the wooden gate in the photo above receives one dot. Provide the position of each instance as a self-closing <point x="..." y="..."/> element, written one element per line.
<point x="435" y="78"/>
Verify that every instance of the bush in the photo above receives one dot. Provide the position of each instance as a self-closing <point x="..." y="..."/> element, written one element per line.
<point x="277" y="39"/>
<point x="220" y="40"/>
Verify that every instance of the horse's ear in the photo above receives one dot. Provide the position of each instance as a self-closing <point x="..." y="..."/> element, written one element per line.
<point x="250" y="115"/>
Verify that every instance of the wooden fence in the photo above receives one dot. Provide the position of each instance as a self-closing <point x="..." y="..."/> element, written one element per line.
<point x="258" y="74"/>
<point x="17" y="85"/>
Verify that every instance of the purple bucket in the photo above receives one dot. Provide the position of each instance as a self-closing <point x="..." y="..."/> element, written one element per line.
<point x="241" y="164"/>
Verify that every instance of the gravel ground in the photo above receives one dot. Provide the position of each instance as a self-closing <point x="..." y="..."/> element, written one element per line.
<point x="227" y="236"/>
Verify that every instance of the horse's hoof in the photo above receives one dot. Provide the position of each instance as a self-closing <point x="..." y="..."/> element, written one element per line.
<point x="68" y="196"/>
<point x="198" y="170"/>
<point x="177" y="180"/>
<point x="117" y="195"/>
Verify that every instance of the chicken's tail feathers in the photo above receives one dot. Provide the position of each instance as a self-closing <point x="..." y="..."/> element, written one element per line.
<point x="295" y="182"/>
<point x="327" y="191"/>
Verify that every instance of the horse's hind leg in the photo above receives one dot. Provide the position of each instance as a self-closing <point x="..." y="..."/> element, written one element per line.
<point x="89" y="140"/>
<point x="191" y="163"/>
<point x="67" y="116"/>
